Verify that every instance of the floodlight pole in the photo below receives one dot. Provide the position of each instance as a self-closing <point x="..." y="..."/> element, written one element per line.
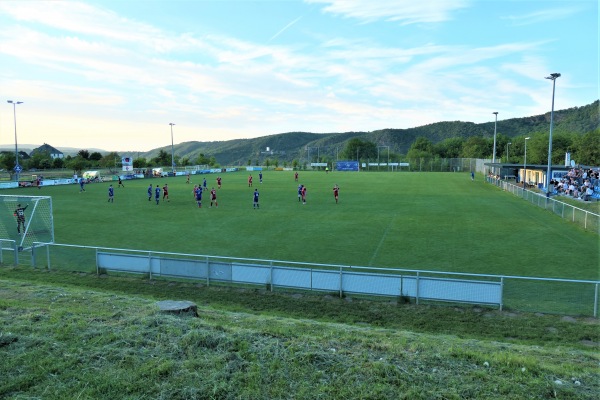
<point x="172" y="150"/>
<point x="553" y="78"/>
<point x="495" y="126"/>
<point x="507" y="144"/>
<point x="525" y="164"/>
<point x="17" y="166"/>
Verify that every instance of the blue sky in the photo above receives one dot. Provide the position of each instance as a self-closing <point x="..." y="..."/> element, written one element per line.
<point x="114" y="74"/>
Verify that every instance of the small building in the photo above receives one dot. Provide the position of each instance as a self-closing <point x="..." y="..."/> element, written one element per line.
<point x="533" y="174"/>
<point x="49" y="150"/>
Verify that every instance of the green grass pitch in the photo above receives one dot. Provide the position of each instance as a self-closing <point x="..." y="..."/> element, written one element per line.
<point x="426" y="221"/>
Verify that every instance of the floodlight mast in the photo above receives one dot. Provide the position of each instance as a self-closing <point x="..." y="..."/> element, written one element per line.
<point x="495" y="126"/>
<point x="525" y="163"/>
<point x="553" y="78"/>
<point x="17" y="166"/>
<point x="172" y="150"/>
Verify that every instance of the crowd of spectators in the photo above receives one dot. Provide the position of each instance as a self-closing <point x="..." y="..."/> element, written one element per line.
<point x="578" y="183"/>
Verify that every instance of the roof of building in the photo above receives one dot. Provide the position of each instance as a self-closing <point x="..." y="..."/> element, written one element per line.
<point x="46" y="148"/>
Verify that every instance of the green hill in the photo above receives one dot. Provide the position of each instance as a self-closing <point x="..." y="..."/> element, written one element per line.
<point x="295" y="145"/>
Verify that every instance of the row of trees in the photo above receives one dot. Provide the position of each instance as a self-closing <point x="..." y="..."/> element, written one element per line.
<point x="584" y="149"/>
<point x="84" y="160"/>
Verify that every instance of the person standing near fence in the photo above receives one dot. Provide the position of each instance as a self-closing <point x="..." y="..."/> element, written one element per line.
<point x="20" y="214"/>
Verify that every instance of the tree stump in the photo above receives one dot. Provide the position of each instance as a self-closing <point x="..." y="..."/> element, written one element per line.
<point x="178" y="307"/>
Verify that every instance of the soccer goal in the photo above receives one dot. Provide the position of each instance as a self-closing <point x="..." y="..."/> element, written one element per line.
<point x="26" y="219"/>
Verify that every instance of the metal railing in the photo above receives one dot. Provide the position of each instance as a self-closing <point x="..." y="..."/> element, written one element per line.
<point x="532" y="294"/>
<point x="586" y="219"/>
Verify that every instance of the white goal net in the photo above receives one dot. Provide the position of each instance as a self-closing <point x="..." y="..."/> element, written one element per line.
<point x="26" y="219"/>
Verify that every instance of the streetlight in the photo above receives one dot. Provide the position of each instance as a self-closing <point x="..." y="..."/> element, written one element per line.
<point x="507" y="144"/>
<point x="172" y="150"/>
<point x="17" y="166"/>
<point x="525" y="163"/>
<point x="495" y="125"/>
<point x="552" y="77"/>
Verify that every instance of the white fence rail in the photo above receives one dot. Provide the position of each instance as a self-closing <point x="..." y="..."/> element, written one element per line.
<point x="586" y="219"/>
<point x="559" y="296"/>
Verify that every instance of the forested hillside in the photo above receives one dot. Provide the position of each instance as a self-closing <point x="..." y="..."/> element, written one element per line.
<point x="575" y="129"/>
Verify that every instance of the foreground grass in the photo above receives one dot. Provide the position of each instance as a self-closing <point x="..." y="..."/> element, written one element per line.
<point x="68" y="335"/>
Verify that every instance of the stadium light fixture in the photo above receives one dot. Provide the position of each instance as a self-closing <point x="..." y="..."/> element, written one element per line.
<point x="495" y="126"/>
<point x="172" y="150"/>
<point x="553" y="78"/>
<point x="17" y="166"/>
<point x="525" y="163"/>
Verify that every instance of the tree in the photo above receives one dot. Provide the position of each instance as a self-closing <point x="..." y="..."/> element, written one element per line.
<point x="163" y="158"/>
<point x="58" y="163"/>
<point x="110" y="160"/>
<point x="204" y="160"/>
<point x="95" y="156"/>
<point x="77" y="164"/>
<point x="359" y="149"/>
<point x="588" y="148"/>
<point x="476" y="147"/>
<point x="421" y="148"/>
<point x="38" y="159"/>
<point x="449" y="148"/>
<point x="84" y="154"/>
<point x="139" y="162"/>
<point x="7" y="161"/>
<point x="184" y="161"/>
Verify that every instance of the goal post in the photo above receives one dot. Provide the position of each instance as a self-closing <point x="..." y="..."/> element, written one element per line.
<point x="36" y="225"/>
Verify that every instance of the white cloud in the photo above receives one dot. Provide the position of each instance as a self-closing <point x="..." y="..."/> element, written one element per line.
<point x="403" y="11"/>
<point x="551" y="14"/>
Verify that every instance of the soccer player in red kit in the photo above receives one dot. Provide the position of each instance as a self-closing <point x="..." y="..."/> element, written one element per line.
<point x="219" y="182"/>
<point x="336" y="191"/>
<point x="213" y="197"/>
<point x="250" y="181"/>
<point x="165" y="192"/>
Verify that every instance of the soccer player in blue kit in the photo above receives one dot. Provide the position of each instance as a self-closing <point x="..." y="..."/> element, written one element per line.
<point x="111" y="194"/>
<point x="255" y="204"/>
<point x="157" y="194"/>
<point x="149" y="192"/>
<point x="198" y="193"/>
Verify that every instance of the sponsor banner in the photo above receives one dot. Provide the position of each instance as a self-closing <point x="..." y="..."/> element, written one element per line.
<point x="8" y="185"/>
<point x="127" y="163"/>
<point x="318" y="164"/>
<point x="404" y="164"/>
<point x="346" y="165"/>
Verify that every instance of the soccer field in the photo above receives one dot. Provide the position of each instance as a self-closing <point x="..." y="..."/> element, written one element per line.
<point x="426" y="221"/>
